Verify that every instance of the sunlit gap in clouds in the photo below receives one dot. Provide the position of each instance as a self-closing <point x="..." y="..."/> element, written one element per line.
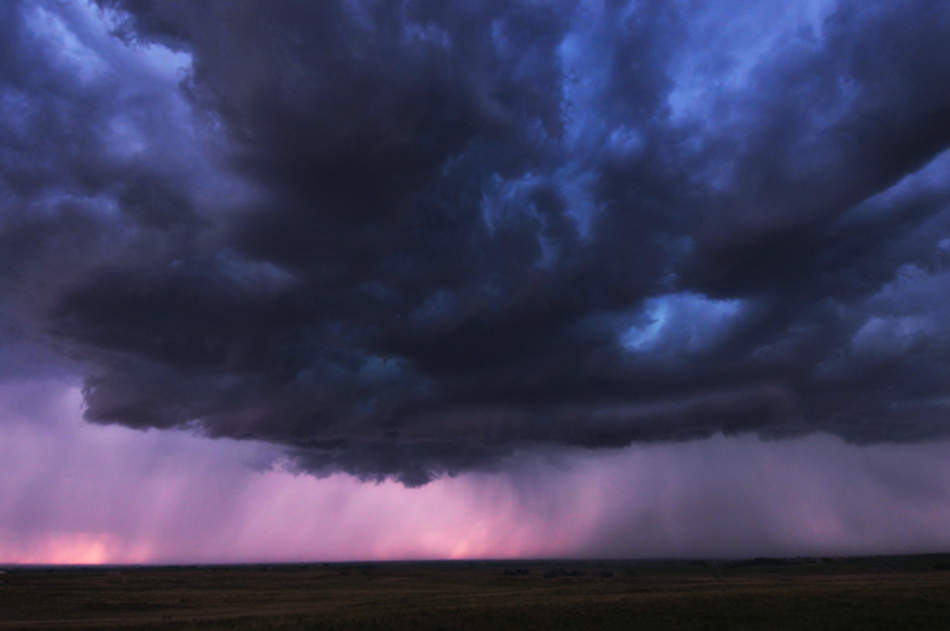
<point x="74" y="492"/>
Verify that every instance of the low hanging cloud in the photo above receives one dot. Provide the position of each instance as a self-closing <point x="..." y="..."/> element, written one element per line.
<point x="410" y="239"/>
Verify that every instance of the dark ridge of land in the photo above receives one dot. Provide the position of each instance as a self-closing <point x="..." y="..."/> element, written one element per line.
<point x="896" y="592"/>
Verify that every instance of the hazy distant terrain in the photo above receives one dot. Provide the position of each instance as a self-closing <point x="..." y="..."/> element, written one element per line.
<point x="866" y="593"/>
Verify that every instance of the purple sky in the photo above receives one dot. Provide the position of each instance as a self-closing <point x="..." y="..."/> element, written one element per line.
<point x="407" y="279"/>
<point x="79" y="493"/>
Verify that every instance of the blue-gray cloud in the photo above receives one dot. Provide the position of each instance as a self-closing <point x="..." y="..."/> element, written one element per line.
<point x="411" y="238"/>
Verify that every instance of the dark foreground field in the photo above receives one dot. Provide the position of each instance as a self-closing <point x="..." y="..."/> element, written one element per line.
<point x="869" y="593"/>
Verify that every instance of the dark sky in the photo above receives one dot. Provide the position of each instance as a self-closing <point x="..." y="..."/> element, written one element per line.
<point x="410" y="239"/>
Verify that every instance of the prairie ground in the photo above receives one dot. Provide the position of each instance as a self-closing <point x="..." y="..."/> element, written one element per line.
<point x="857" y="593"/>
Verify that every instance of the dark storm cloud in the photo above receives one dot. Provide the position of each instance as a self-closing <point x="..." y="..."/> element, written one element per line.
<point x="408" y="239"/>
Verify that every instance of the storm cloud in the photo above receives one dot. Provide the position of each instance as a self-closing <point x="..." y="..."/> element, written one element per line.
<point x="411" y="239"/>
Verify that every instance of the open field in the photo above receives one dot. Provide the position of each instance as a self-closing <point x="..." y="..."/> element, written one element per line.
<point x="861" y="593"/>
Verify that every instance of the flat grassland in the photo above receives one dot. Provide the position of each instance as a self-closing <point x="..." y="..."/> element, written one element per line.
<point x="853" y="593"/>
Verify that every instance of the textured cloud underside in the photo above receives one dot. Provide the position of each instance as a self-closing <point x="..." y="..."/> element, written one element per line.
<point x="414" y="238"/>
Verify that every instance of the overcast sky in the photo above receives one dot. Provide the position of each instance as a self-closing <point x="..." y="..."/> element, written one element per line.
<point x="421" y="278"/>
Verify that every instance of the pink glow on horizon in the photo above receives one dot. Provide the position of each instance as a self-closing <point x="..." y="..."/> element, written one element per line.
<point x="73" y="492"/>
<point x="81" y="493"/>
<point x="76" y="548"/>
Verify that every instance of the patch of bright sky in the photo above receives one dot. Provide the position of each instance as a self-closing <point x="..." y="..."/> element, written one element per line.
<point x="680" y="322"/>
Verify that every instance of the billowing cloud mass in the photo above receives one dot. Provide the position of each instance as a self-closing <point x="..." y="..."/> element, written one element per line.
<point x="410" y="239"/>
